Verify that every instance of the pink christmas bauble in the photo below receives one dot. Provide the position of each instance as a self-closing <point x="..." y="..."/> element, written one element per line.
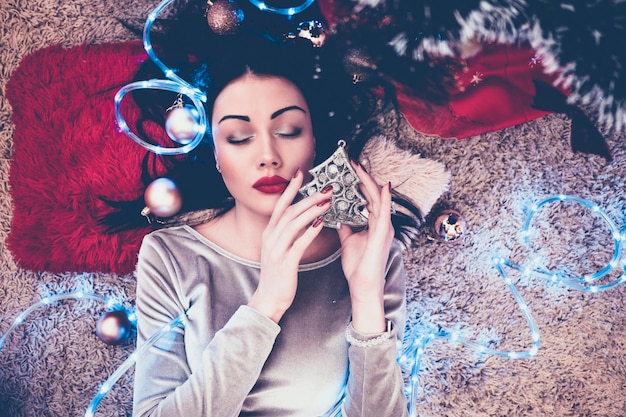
<point x="181" y="124"/>
<point x="114" y="327"/>
<point x="163" y="198"/>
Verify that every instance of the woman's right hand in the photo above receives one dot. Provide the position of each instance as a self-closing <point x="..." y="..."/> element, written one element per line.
<point x="290" y="231"/>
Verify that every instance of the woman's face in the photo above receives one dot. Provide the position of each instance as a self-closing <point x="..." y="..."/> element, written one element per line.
<point x="262" y="134"/>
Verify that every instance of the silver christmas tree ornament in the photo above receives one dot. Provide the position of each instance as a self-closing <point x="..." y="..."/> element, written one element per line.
<point x="347" y="203"/>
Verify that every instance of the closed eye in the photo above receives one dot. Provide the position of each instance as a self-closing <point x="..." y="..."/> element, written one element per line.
<point x="290" y="134"/>
<point x="235" y="141"/>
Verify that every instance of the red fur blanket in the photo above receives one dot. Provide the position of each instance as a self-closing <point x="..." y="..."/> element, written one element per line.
<point x="68" y="154"/>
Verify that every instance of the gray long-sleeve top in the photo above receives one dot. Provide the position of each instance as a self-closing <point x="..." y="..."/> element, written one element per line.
<point x="231" y="360"/>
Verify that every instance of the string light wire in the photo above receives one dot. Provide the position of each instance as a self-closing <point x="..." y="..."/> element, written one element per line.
<point x="106" y="387"/>
<point x="286" y="11"/>
<point x="415" y="342"/>
<point x="47" y="301"/>
<point x="418" y="336"/>
<point x="174" y="83"/>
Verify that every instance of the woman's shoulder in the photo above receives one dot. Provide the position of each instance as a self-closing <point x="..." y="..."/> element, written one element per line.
<point x="170" y="233"/>
<point x="181" y="244"/>
<point x="177" y="240"/>
<point x="166" y="242"/>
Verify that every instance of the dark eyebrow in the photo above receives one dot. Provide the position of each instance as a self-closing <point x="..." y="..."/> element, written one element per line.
<point x="281" y="111"/>
<point x="273" y="116"/>
<point x="234" y="116"/>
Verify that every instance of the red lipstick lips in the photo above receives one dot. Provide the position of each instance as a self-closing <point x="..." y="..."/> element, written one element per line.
<point x="271" y="185"/>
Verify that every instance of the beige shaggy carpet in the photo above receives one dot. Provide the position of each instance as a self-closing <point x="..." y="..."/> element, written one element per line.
<point x="53" y="364"/>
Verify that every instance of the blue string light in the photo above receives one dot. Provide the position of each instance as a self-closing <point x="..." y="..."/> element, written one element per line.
<point x="176" y="84"/>
<point x="105" y="388"/>
<point x="46" y="301"/>
<point x="582" y="283"/>
<point x="147" y="45"/>
<point x="286" y="11"/>
<point x="196" y="98"/>
<point x="416" y="339"/>
<point x="418" y="336"/>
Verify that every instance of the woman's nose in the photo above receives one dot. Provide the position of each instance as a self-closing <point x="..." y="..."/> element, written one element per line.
<point x="269" y="153"/>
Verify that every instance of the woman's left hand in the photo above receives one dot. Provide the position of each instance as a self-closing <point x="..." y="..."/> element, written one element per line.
<point x="365" y="254"/>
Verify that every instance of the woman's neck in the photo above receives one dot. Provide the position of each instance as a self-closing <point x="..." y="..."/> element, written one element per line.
<point x="241" y="233"/>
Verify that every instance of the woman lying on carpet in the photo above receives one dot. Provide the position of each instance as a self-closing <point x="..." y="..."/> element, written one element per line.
<point x="284" y="316"/>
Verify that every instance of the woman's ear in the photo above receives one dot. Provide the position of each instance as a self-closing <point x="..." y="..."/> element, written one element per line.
<point x="217" y="161"/>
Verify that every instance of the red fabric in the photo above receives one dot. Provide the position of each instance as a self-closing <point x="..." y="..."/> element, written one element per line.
<point x="496" y="91"/>
<point x="500" y="96"/>
<point x="68" y="154"/>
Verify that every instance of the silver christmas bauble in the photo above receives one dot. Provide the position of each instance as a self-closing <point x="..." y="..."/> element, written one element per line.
<point x="181" y="124"/>
<point x="114" y="327"/>
<point x="312" y="30"/>
<point x="449" y="225"/>
<point x="224" y="16"/>
<point x="163" y="198"/>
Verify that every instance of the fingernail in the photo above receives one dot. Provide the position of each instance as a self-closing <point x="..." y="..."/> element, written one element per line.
<point x="295" y="174"/>
<point x="389" y="185"/>
<point x="326" y="189"/>
<point x="317" y="222"/>
<point x="323" y="203"/>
